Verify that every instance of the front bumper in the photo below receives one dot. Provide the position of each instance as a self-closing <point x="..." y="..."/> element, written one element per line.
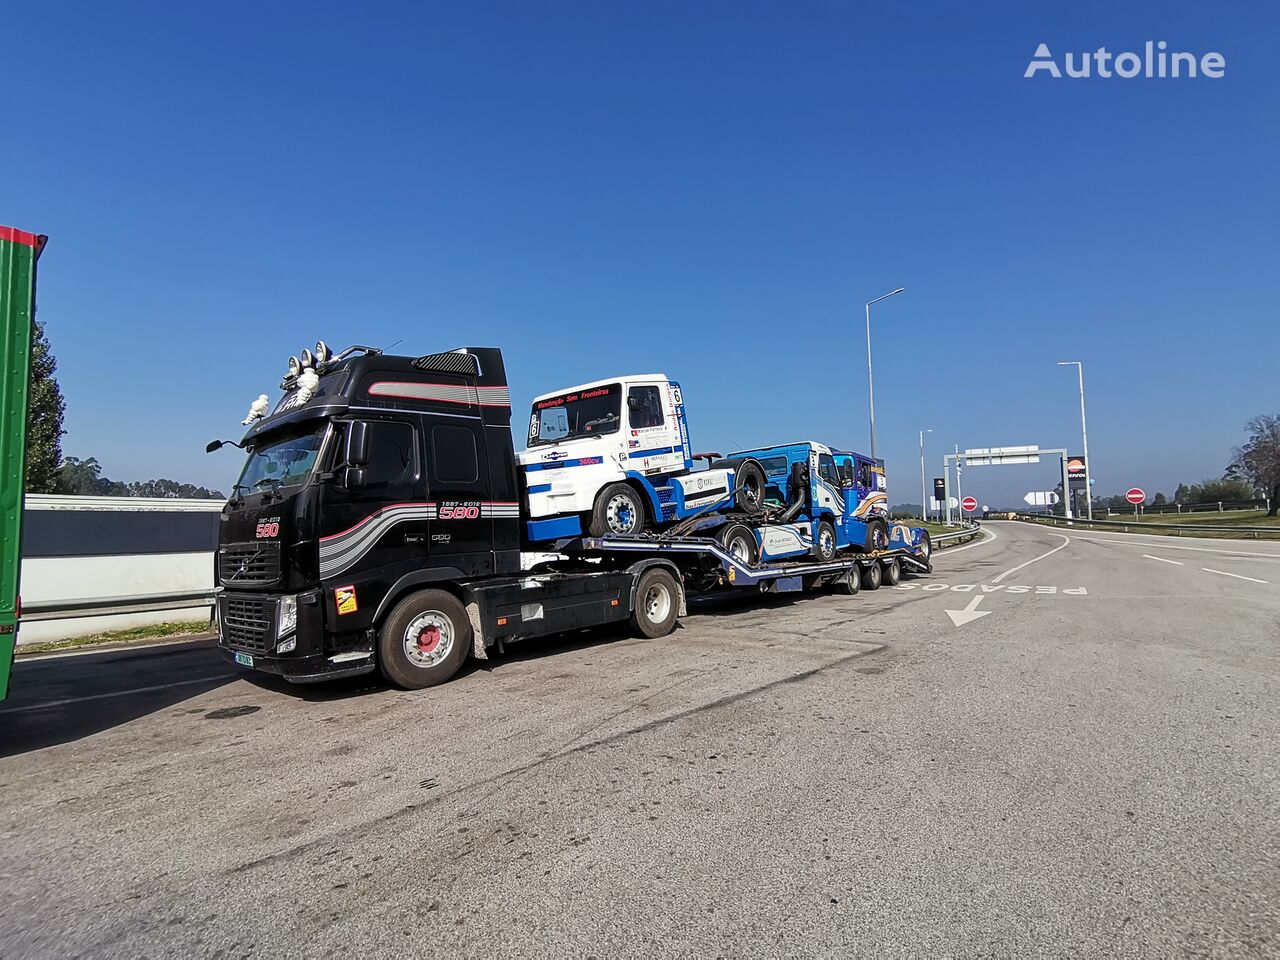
<point x="312" y="669"/>
<point x="247" y="635"/>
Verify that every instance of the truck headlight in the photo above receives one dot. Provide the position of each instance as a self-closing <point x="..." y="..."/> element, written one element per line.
<point x="287" y="620"/>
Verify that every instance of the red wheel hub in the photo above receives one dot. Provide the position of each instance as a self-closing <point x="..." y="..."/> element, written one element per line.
<point x="429" y="639"/>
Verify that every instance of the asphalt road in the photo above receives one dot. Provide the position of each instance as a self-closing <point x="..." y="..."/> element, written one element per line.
<point x="1080" y="759"/>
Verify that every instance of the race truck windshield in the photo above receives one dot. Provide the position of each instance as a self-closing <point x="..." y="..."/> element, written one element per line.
<point x="581" y="413"/>
<point x="279" y="463"/>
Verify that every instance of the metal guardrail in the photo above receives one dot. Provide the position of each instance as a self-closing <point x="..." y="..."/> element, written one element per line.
<point x="108" y="606"/>
<point x="1175" y="529"/>
<point x="967" y="532"/>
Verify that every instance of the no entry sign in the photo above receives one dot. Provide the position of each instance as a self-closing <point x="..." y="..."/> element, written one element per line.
<point x="1136" y="495"/>
<point x="971" y="504"/>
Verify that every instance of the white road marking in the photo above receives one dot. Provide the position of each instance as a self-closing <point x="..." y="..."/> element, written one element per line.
<point x="119" y="693"/>
<point x="970" y="613"/>
<point x="1065" y="540"/>
<point x="1162" y="559"/>
<point x="1223" y="573"/>
<point x="991" y="536"/>
<point x="1173" y="546"/>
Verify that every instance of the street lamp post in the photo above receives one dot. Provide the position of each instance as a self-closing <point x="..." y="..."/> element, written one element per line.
<point x="924" y="499"/>
<point x="1084" y="431"/>
<point x="871" y="391"/>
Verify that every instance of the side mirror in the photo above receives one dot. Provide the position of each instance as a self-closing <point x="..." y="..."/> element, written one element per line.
<point x="353" y="478"/>
<point x="357" y="451"/>
<point x="212" y="445"/>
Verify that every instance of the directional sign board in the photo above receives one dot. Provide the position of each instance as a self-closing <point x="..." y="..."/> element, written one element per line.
<point x="990" y="456"/>
<point x="969" y="504"/>
<point x="1136" y="495"/>
<point x="1040" y="498"/>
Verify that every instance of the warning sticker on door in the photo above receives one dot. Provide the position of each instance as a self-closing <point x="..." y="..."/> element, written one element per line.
<point x="345" y="597"/>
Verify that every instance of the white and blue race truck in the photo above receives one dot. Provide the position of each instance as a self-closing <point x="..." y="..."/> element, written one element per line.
<point x="612" y="458"/>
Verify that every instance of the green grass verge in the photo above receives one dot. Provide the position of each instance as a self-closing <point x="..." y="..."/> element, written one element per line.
<point x="152" y="631"/>
<point x="1241" y="518"/>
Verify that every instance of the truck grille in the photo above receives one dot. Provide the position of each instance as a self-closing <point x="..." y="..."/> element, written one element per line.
<point x="249" y="563"/>
<point x="246" y="622"/>
<point x="666" y="495"/>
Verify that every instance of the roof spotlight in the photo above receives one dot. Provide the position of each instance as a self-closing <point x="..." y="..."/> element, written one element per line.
<point x="307" y="360"/>
<point x="295" y="367"/>
<point x="323" y="353"/>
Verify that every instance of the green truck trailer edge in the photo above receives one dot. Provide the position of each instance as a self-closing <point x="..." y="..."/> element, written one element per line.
<point x="19" y="252"/>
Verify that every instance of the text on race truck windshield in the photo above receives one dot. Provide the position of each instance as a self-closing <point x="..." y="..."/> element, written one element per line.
<point x="583" y="413"/>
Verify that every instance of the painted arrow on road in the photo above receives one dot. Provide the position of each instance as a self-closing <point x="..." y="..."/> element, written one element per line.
<point x="969" y="613"/>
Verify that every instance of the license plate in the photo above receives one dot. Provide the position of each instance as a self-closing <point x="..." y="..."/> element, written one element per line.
<point x="244" y="659"/>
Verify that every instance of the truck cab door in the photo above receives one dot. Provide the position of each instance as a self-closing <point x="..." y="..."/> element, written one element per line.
<point x="372" y="517"/>
<point x="848" y="488"/>
<point x="653" y="444"/>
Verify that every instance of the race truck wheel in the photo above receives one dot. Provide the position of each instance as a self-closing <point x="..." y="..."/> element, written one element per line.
<point x="926" y="547"/>
<point x="872" y="576"/>
<point x="848" y="584"/>
<point x="892" y="573"/>
<point x="618" y="511"/>
<point x="877" y="536"/>
<point x="740" y="542"/>
<point x="825" y="544"/>
<point x="748" y="481"/>
<point x="657" y="604"/>
<point x="425" y="640"/>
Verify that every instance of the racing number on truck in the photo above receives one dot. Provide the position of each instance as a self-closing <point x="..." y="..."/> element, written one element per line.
<point x="459" y="511"/>
<point x="268" y="528"/>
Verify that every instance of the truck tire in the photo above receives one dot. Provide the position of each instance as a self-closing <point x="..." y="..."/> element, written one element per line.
<point x="926" y="547"/>
<point x="824" y="545"/>
<point x="425" y="640"/>
<point x="877" y="536"/>
<point x="740" y="542"/>
<point x="748" y="481"/>
<point x="657" y="604"/>
<point x="619" y="511"/>
<point x="892" y="573"/>
<point x="849" y="584"/>
<point x="872" y="576"/>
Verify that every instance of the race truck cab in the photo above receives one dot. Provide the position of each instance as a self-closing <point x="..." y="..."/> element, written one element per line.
<point x="612" y="457"/>
<point x="831" y="500"/>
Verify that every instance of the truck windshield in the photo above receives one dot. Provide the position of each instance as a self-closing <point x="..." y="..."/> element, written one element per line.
<point x="280" y="462"/>
<point x="580" y="413"/>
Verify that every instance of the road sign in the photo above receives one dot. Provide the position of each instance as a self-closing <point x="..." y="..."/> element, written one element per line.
<point x="1075" y="467"/>
<point x="971" y="504"/>
<point x="1040" y="498"/>
<point x="1136" y="495"/>
<point x="939" y="488"/>
<point x="992" y="456"/>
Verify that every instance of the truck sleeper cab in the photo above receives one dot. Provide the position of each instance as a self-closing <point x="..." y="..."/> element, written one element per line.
<point x="612" y="457"/>
<point x="377" y="523"/>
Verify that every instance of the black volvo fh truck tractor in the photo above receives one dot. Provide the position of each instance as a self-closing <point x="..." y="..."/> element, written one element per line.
<point x="377" y="524"/>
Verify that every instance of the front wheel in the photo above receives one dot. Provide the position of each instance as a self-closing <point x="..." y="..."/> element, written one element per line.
<point x="425" y="640"/>
<point x="619" y="511"/>
<point x="877" y="536"/>
<point x="657" y="604"/>
<point x="740" y="542"/>
<point x="825" y="544"/>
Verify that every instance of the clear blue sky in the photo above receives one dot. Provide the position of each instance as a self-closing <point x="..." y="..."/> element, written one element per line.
<point x="712" y="190"/>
